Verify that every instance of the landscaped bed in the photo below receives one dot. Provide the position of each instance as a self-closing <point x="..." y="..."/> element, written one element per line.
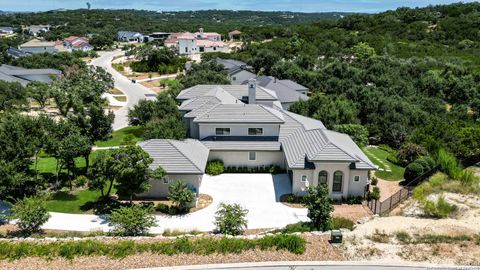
<point x="386" y="169"/>
<point x="152" y="253"/>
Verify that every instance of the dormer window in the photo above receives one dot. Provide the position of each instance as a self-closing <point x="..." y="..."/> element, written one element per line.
<point x="255" y="131"/>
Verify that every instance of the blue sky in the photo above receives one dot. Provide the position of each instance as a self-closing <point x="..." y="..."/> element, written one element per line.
<point x="168" y="5"/>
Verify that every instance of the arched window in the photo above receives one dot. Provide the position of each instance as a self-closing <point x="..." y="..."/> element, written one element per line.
<point x="337" y="181"/>
<point x="323" y="178"/>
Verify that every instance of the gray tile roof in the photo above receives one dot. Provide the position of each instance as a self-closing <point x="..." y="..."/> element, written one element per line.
<point x="177" y="157"/>
<point x="18" y="74"/>
<point x="240" y="113"/>
<point x="304" y="139"/>
<point x="286" y="90"/>
<point x="238" y="91"/>
<point x="233" y="66"/>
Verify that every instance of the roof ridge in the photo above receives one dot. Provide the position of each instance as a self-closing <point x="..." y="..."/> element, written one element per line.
<point x="183" y="154"/>
<point x="268" y="109"/>
<point x="341" y="148"/>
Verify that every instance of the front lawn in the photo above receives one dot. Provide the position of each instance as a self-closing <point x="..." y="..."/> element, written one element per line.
<point x="79" y="202"/>
<point x="128" y="135"/>
<point x="386" y="169"/>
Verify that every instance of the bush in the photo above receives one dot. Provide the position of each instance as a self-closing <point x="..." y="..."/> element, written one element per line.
<point x="342" y="223"/>
<point x="298" y="227"/>
<point x="215" y="167"/>
<point x="354" y="199"/>
<point x="412" y="171"/>
<point x="30" y="213"/>
<point x="181" y="195"/>
<point x="403" y="237"/>
<point x="375" y="194"/>
<point x="162" y="208"/>
<point x="80" y="181"/>
<point x="448" y="163"/>
<point x="374" y="181"/>
<point x="439" y="209"/>
<point x="410" y="152"/>
<point x="231" y="219"/>
<point x="132" y="221"/>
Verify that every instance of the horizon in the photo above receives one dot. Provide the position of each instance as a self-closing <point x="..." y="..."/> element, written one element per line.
<point x="299" y="6"/>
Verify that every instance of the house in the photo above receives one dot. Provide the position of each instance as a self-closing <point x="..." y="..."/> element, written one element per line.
<point x="238" y="71"/>
<point x="127" y="36"/>
<point x="246" y="126"/>
<point x="73" y="43"/>
<point x="234" y="35"/>
<point x="38" y="46"/>
<point x="17" y="53"/>
<point x="35" y="30"/>
<point x="24" y="76"/>
<point x="159" y="35"/>
<point x="6" y="31"/>
<point x="288" y="91"/>
<point x="187" y="43"/>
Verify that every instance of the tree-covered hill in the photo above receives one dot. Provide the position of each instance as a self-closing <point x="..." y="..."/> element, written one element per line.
<point x="83" y="21"/>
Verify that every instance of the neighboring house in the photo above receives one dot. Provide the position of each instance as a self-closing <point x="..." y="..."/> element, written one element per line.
<point x="35" y="30"/>
<point x="187" y="43"/>
<point x="288" y="91"/>
<point x="24" y="76"/>
<point x="234" y="35"/>
<point x="238" y="71"/>
<point x="127" y="36"/>
<point x="17" y="53"/>
<point x="6" y="31"/>
<point x="73" y="43"/>
<point x="246" y="126"/>
<point x="159" y="35"/>
<point x="38" y="46"/>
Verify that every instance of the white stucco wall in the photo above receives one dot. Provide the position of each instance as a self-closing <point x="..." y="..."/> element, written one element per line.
<point x="240" y="158"/>
<point x="206" y="130"/>
<point x="349" y="186"/>
<point x="39" y="49"/>
<point x="187" y="46"/>
<point x="160" y="190"/>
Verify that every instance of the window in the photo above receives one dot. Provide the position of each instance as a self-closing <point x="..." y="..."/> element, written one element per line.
<point x="356" y="178"/>
<point x="222" y="131"/>
<point x="202" y="49"/>
<point x="337" y="181"/>
<point x="323" y="178"/>
<point x="252" y="155"/>
<point x="304" y="178"/>
<point x="234" y="78"/>
<point x="255" y="131"/>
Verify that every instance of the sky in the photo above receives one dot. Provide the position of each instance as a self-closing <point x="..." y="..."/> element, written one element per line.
<point x="367" y="6"/>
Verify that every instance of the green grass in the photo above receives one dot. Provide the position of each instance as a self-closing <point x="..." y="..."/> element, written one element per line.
<point x="397" y="171"/>
<point x="134" y="134"/>
<point x="48" y="164"/>
<point x="74" y="203"/>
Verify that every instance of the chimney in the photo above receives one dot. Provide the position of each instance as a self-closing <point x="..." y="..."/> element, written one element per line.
<point x="252" y="91"/>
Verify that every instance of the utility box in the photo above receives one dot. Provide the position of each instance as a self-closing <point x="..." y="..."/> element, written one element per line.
<point x="336" y="236"/>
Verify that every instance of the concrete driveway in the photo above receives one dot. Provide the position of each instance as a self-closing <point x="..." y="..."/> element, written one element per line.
<point x="259" y="193"/>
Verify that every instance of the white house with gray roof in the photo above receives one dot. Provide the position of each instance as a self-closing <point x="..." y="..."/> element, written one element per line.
<point x="246" y="126"/>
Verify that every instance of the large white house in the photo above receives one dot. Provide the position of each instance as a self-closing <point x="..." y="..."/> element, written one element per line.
<point x="246" y="126"/>
<point x="187" y="43"/>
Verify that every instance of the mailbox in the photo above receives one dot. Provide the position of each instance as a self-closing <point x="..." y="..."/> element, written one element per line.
<point x="336" y="236"/>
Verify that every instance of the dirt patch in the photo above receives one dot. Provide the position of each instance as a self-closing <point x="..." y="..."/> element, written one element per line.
<point x="353" y="212"/>
<point x="387" y="188"/>
<point x="317" y="249"/>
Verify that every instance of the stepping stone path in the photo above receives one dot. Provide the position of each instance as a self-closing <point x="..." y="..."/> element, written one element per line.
<point x="386" y="167"/>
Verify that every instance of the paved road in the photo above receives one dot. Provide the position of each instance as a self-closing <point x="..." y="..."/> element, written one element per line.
<point x="299" y="265"/>
<point x="134" y="92"/>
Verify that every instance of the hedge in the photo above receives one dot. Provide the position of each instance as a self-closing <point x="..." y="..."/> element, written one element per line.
<point x="10" y="250"/>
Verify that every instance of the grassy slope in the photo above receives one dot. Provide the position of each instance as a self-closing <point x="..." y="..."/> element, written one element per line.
<point x="118" y="136"/>
<point x="397" y="171"/>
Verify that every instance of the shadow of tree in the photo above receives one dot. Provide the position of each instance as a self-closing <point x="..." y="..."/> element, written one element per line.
<point x="64" y="196"/>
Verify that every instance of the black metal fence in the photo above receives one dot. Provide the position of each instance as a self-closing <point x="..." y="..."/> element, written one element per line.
<point x="386" y="205"/>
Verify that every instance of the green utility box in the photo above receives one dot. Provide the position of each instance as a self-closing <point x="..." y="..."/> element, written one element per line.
<point x="336" y="236"/>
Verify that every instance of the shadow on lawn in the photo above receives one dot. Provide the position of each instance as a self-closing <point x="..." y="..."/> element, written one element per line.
<point x="64" y="196"/>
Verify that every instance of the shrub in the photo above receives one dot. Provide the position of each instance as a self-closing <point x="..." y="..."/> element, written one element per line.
<point x="319" y="206"/>
<point x="467" y="178"/>
<point x="448" y="163"/>
<point x="231" y="219"/>
<point x="375" y="194"/>
<point x="409" y="152"/>
<point x="181" y="195"/>
<point x="403" y="237"/>
<point x="374" y="181"/>
<point x="132" y="221"/>
<point x="439" y="209"/>
<point x="425" y="165"/>
<point x="80" y="181"/>
<point x="379" y="237"/>
<point x="342" y="223"/>
<point x="30" y="213"/>
<point x="431" y="162"/>
<point x="412" y="171"/>
<point x="297" y="227"/>
<point x="215" y="167"/>
<point x="354" y="199"/>
<point x="162" y="208"/>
